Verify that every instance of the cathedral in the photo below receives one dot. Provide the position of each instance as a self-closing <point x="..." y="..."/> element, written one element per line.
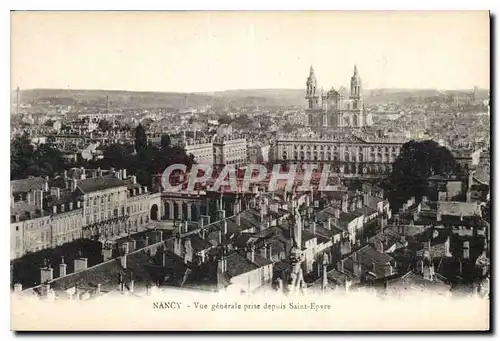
<point x="333" y="109"/>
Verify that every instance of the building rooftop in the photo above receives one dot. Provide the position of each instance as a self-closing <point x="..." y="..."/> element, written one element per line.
<point x="100" y="184"/>
<point x="27" y="185"/>
<point x="456" y="208"/>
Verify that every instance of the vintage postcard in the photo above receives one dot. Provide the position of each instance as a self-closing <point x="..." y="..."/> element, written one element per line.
<point x="306" y="170"/>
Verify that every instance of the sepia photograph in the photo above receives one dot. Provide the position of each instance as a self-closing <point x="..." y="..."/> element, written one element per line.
<point x="250" y="170"/>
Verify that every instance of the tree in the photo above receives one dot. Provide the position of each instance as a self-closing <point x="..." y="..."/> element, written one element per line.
<point x="165" y="141"/>
<point x="141" y="140"/>
<point x="417" y="161"/>
<point x="26" y="159"/>
<point x="225" y="119"/>
<point x="105" y="125"/>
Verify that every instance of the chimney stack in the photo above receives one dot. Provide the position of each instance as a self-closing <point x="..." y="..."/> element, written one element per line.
<point x="134" y="179"/>
<point x="224" y="225"/>
<point x="345" y="203"/>
<point x="340" y="265"/>
<point x="222" y="264"/>
<point x="18" y="287"/>
<point x="80" y="264"/>
<point x="54" y="209"/>
<point x="46" y="274"/>
<point x="466" y="250"/>
<point x="251" y="254"/>
<point x="82" y="173"/>
<point x="62" y="268"/>
<point x="124" y="174"/>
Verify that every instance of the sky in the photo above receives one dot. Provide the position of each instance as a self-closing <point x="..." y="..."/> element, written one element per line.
<point x="213" y="51"/>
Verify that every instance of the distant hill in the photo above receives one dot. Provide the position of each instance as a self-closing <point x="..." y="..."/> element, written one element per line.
<point x="253" y="97"/>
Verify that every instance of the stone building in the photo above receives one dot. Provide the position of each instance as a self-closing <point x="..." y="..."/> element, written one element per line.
<point x="348" y="153"/>
<point x="332" y="109"/>
<point x="96" y="204"/>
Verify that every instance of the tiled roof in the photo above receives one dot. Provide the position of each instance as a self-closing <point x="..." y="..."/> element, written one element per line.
<point x="100" y="183"/>
<point x="412" y="281"/>
<point x="238" y="264"/>
<point x="453" y="208"/>
<point x="27" y="185"/>
<point x="366" y="256"/>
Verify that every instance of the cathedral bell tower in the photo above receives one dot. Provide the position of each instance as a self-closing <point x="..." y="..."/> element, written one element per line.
<point x="312" y="94"/>
<point x="356" y="89"/>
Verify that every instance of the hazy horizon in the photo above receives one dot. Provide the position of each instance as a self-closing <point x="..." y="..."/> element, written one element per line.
<point x="241" y="89"/>
<point x="195" y="52"/>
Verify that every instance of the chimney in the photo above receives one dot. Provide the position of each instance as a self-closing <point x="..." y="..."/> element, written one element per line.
<point x="80" y="264"/>
<point x="107" y="254"/>
<point x="82" y="173"/>
<point x="238" y="219"/>
<point x="224" y="226"/>
<point x="221" y="214"/>
<point x="251" y="254"/>
<point x="220" y="236"/>
<point x="428" y="272"/>
<point x="325" y="277"/>
<point x="145" y="189"/>
<point x="313" y="227"/>
<point x="466" y="250"/>
<point x="134" y="179"/>
<point x="99" y="171"/>
<point x="336" y="211"/>
<point x="73" y="184"/>
<point x="62" y="268"/>
<point x="389" y="270"/>
<point x="18" y="287"/>
<point x="340" y="265"/>
<point x="46" y="184"/>
<point x="124" y="174"/>
<point x="98" y="289"/>
<point x="70" y="206"/>
<point x="222" y="264"/>
<point x="57" y="192"/>
<point x="345" y="202"/>
<point x="78" y="204"/>
<point x="123" y="260"/>
<point x="131" y="285"/>
<point x="45" y="290"/>
<point x="46" y="275"/>
<point x="270" y="251"/>
<point x="65" y="175"/>
<point x="185" y="226"/>
<point x="327" y="224"/>
<point x="54" y="209"/>
<point x="62" y="208"/>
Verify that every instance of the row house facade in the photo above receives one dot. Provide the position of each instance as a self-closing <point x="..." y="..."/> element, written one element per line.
<point x="103" y="207"/>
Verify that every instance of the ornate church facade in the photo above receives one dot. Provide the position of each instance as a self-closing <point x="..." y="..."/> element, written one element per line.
<point x="333" y="109"/>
